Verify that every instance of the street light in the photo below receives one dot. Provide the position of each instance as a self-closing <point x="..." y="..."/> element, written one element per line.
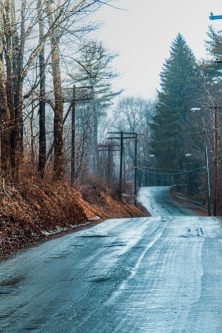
<point x="213" y="109"/>
<point x="189" y="175"/>
<point x="213" y="17"/>
<point x="148" y="179"/>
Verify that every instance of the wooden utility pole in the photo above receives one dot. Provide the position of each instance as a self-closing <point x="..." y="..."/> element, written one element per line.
<point x="108" y="148"/>
<point x="135" y="166"/>
<point x="121" y="166"/>
<point x="109" y="176"/>
<point x="215" y="162"/>
<point x="208" y="182"/>
<point x="213" y="109"/>
<point x="123" y="136"/>
<point x="73" y="144"/>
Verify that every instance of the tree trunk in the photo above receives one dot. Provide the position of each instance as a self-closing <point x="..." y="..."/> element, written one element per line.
<point x="16" y="113"/>
<point x="8" y="32"/>
<point x="58" y="117"/>
<point x="42" y="131"/>
<point x="95" y="135"/>
<point x="4" y="110"/>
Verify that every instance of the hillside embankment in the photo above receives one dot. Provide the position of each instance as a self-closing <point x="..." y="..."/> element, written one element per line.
<point x="36" y="210"/>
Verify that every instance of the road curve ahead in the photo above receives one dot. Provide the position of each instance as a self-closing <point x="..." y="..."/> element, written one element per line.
<point x="158" y="274"/>
<point x="158" y="201"/>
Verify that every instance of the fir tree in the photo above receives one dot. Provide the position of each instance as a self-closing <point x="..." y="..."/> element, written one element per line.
<point x="180" y="90"/>
<point x="212" y="68"/>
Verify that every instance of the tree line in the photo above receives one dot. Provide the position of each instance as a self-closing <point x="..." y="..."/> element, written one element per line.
<point x="179" y="125"/>
<point x="51" y="67"/>
<point x="46" y="48"/>
<point x="183" y="124"/>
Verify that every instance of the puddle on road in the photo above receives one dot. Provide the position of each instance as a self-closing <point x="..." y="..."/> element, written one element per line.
<point x="94" y="236"/>
<point x="62" y="255"/>
<point x="116" y="245"/>
<point x="102" y="278"/>
<point x="9" y="285"/>
<point x="12" y="282"/>
<point x="7" y="313"/>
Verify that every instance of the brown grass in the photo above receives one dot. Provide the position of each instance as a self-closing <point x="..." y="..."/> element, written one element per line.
<point x="34" y="206"/>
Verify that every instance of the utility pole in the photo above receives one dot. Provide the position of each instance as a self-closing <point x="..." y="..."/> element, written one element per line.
<point x="77" y="95"/>
<point x="73" y="143"/>
<point x="208" y="182"/>
<point x="215" y="162"/>
<point x="121" y="166"/>
<point x="123" y="136"/>
<point x="109" y="149"/>
<point x="213" y="17"/>
<point x="109" y="176"/>
<point x="215" y="112"/>
<point x="135" y="166"/>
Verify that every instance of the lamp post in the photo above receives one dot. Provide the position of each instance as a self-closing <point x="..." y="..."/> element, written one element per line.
<point x="189" y="175"/>
<point x="148" y="179"/>
<point x="213" y="109"/>
<point x="213" y="17"/>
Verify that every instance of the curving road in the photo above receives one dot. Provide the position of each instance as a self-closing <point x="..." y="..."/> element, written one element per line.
<point x="159" y="202"/>
<point x="161" y="274"/>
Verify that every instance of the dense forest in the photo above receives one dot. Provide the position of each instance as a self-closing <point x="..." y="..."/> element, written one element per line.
<point x="58" y="106"/>
<point x="47" y="66"/>
<point x="186" y="127"/>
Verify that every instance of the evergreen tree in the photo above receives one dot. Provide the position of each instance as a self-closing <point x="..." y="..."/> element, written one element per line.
<point x="180" y="91"/>
<point x="212" y="68"/>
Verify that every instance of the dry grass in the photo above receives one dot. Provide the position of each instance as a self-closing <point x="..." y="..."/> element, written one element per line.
<point x="34" y="206"/>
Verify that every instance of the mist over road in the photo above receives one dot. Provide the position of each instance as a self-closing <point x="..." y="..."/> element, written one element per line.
<point x="161" y="274"/>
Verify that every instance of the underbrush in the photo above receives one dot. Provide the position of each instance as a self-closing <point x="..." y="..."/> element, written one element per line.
<point x="33" y="208"/>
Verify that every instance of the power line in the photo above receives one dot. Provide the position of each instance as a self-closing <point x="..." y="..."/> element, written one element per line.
<point x="173" y="173"/>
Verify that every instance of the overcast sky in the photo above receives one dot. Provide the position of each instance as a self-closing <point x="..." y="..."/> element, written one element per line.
<point x="142" y="34"/>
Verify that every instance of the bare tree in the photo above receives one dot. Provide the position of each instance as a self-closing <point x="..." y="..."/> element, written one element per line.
<point x="4" y="110"/>
<point x="42" y="92"/>
<point x="25" y="74"/>
<point x="57" y="84"/>
<point x="94" y="69"/>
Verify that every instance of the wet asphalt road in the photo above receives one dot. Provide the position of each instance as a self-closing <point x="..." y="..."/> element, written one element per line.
<point x="161" y="274"/>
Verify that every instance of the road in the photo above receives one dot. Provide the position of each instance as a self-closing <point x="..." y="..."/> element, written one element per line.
<point x="159" y="202"/>
<point x="161" y="274"/>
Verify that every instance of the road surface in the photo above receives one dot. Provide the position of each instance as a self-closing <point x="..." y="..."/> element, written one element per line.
<point x="159" y="202"/>
<point x="161" y="274"/>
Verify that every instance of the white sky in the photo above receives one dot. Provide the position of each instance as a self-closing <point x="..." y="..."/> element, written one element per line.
<point x="143" y="32"/>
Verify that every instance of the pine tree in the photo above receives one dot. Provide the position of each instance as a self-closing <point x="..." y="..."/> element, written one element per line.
<point x="211" y="69"/>
<point x="180" y="91"/>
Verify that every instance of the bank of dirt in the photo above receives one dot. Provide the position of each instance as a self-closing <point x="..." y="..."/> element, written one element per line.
<point x="196" y="207"/>
<point x="34" y="211"/>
